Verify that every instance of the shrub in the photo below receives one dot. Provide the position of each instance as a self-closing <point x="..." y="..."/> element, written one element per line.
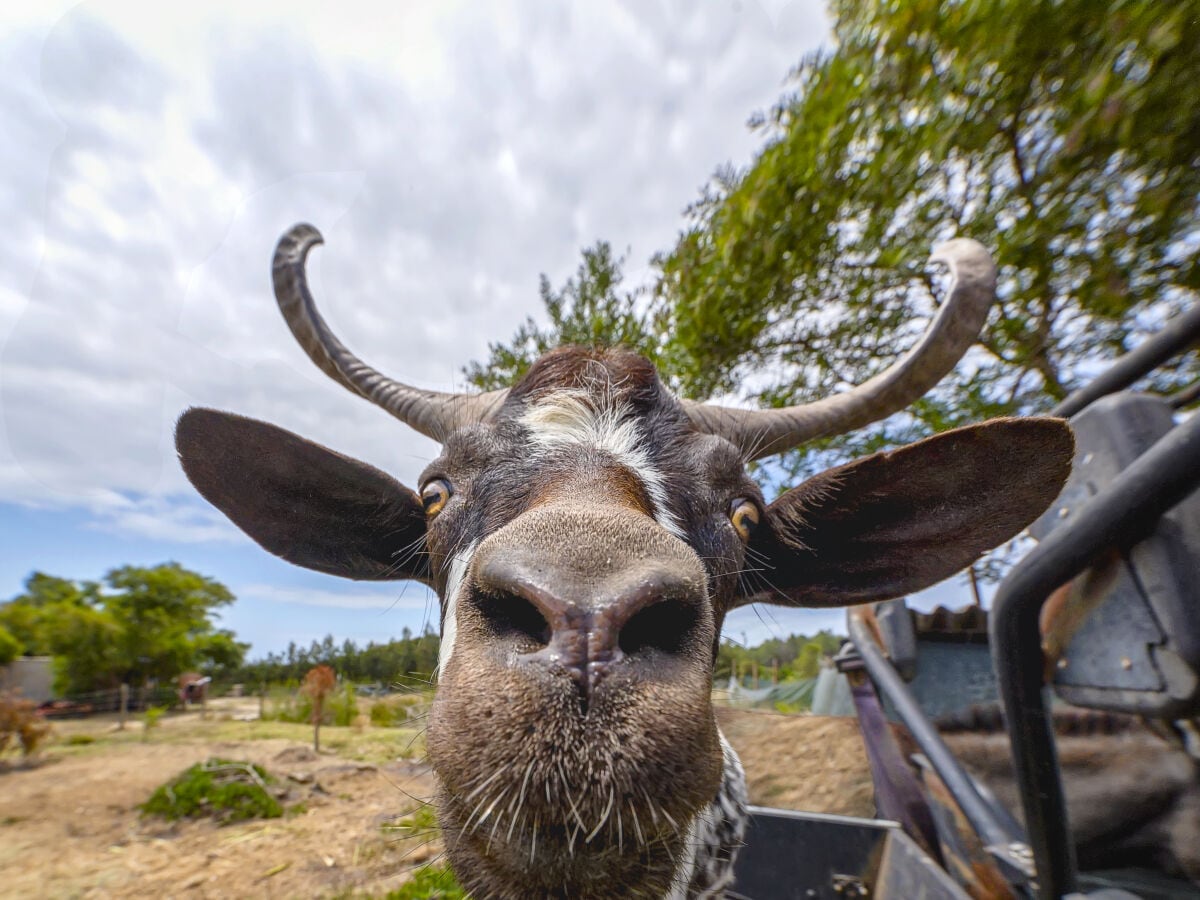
<point x="227" y="790"/>
<point x="318" y="685"/>
<point x="150" y="718"/>
<point x="290" y="706"/>
<point x="20" y="721"/>
<point x="343" y="706"/>
<point x="390" y="712"/>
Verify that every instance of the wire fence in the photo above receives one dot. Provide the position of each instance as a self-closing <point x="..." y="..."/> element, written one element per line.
<point x="109" y="701"/>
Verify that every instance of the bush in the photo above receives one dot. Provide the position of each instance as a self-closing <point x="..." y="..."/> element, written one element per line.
<point x="289" y="706"/>
<point x="150" y="718"/>
<point x="391" y="712"/>
<point x="342" y="707"/>
<point x="20" y="721"/>
<point x="227" y="790"/>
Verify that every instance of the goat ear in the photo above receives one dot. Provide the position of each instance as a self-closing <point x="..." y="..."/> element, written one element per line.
<point x="903" y="520"/>
<point x="311" y="506"/>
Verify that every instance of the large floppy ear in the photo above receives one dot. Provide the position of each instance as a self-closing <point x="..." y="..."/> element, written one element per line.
<point x="301" y="501"/>
<point x="900" y="521"/>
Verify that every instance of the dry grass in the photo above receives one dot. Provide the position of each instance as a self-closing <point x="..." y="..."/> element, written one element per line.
<point x="70" y="827"/>
<point x="813" y="763"/>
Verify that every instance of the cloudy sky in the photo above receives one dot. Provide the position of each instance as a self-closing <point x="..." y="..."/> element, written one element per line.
<point x="449" y="152"/>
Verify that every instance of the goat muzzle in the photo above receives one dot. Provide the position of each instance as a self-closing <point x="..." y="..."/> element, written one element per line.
<point x="588" y="623"/>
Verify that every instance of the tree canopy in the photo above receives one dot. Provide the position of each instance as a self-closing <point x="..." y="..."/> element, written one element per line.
<point x="592" y="309"/>
<point x="135" y="625"/>
<point x="407" y="660"/>
<point x="1063" y="135"/>
<point x="795" y="656"/>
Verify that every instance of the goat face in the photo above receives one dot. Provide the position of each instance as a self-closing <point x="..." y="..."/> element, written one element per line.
<point x="587" y="533"/>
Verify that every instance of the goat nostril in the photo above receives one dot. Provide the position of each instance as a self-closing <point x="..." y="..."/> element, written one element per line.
<point x="511" y="615"/>
<point x="666" y="626"/>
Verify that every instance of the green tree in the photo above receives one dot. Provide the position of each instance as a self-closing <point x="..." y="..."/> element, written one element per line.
<point x="1063" y="135"/>
<point x="808" y="663"/>
<point x="32" y="617"/>
<point x="88" y="646"/>
<point x="590" y="310"/>
<point x="10" y="647"/>
<point x="792" y="653"/>
<point x="137" y="624"/>
<point x="24" y="622"/>
<point x="164" y="615"/>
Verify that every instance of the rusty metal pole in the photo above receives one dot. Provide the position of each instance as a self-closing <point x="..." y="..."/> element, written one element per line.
<point x="974" y="586"/>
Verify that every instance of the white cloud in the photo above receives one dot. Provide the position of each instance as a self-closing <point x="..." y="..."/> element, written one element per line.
<point x="385" y="597"/>
<point x="450" y="153"/>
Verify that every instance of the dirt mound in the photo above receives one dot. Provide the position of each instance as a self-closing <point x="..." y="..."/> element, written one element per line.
<point x="811" y="763"/>
<point x="293" y="755"/>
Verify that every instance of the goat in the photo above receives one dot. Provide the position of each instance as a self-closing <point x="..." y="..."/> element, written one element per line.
<point x="587" y="532"/>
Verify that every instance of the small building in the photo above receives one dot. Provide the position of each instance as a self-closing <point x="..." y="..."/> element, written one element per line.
<point x="32" y="676"/>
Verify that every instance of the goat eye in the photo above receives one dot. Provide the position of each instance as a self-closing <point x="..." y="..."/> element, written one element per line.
<point x="434" y="496"/>
<point x="745" y="517"/>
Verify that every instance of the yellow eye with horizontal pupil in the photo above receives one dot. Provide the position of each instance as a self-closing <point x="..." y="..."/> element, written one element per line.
<point x="745" y="516"/>
<point x="435" y="495"/>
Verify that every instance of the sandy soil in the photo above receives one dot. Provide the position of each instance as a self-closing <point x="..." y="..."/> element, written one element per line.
<point x="813" y="763"/>
<point x="70" y="826"/>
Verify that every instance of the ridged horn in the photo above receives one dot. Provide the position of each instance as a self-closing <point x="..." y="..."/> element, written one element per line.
<point x="762" y="432"/>
<point x="433" y="413"/>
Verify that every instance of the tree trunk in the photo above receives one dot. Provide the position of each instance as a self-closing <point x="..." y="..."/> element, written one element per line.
<point x="317" y="710"/>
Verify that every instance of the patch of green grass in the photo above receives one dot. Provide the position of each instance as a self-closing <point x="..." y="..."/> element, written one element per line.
<point x="420" y="821"/>
<point x="79" y="740"/>
<point x="227" y="790"/>
<point x="375" y="744"/>
<point x="429" y="883"/>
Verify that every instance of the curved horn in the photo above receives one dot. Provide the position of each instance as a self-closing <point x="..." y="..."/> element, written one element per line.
<point x="762" y="432"/>
<point x="433" y="413"/>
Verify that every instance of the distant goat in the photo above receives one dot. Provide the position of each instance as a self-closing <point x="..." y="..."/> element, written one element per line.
<point x="587" y="533"/>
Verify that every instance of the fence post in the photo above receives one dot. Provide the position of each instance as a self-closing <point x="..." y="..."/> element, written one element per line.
<point x="124" y="707"/>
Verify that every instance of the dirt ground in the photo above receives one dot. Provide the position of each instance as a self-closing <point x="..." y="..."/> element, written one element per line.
<point x="813" y="763"/>
<point x="70" y="826"/>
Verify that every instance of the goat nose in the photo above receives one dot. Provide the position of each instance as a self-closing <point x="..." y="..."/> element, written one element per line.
<point x="637" y="612"/>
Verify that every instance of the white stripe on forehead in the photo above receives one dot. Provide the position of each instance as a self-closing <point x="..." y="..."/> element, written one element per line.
<point x="578" y="418"/>
<point x="454" y="585"/>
